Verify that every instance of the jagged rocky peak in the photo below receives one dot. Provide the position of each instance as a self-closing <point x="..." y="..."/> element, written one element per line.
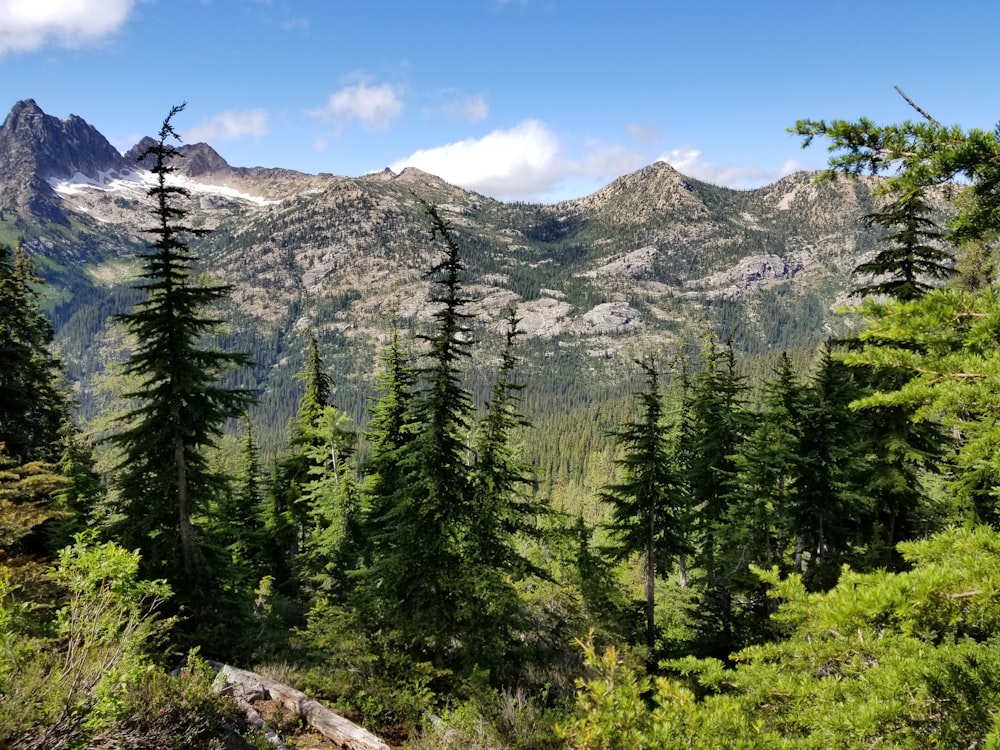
<point x="194" y="160"/>
<point x="200" y="159"/>
<point x="34" y="143"/>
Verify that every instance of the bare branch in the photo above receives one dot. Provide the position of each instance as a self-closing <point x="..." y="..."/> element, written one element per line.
<point x="913" y="104"/>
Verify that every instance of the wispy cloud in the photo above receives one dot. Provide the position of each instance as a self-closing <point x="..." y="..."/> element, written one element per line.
<point x="374" y="107"/>
<point x="690" y="161"/>
<point x="645" y="134"/>
<point x="30" y="24"/>
<point x="467" y="109"/>
<point x="230" y="126"/>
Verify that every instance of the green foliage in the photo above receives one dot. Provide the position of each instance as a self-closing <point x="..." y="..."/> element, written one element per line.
<point x="438" y="528"/>
<point x="163" y="477"/>
<point x="33" y="407"/>
<point x="913" y="256"/>
<point x="650" y="512"/>
<point x="946" y="341"/>
<point x="68" y="680"/>
<point x="881" y="660"/>
<point x="918" y="155"/>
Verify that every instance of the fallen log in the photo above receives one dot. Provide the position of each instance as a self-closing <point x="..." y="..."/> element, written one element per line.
<point x="333" y="726"/>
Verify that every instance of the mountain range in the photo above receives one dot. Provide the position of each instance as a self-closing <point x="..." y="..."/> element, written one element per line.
<point x="645" y="264"/>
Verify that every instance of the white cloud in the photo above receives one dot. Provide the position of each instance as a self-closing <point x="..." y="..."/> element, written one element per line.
<point x="531" y="162"/>
<point x="375" y="107"/>
<point x="525" y="162"/>
<point x="230" y="126"/>
<point x="30" y="24"/>
<point x="469" y="109"/>
<point x="691" y="162"/>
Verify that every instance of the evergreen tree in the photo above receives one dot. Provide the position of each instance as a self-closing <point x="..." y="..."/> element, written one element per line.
<point x="26" y="503"/>
<point x="392" y="424"/>
<point x="768" y="479"/>
<point x="832" y="501"/>
<point x="82" y="490"/>
<point x="715" y="424"/>
<point x="331" y="495"/>
<point x="32" y="406"/>
<point x="239" y="515"/>
<point x="503" y="514"/>
<point x="413" y="586"/>
<point x="163" y="476"/>
<point x="649" y="507"/>
<point x="714" y="427"/>
<point x="913" y="255"/>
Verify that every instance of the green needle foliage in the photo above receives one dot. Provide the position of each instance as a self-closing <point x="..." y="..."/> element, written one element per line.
<point x="163" y="477"/>
<point x="33" y="408"/>
<point x="650" y="515"/>
<point x="913" y="256"/>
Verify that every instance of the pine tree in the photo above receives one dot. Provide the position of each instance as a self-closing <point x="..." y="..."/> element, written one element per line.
<point x="413" y="585"/>
<point x="289" y="508"/>
<point x="649" y="506"/>
<point x="832" y="502"/>
<point x="163" y="476"/>
<point x="768" y="479"/>
<point x="913" y="256"/>
<point x="331" y="494"/>
<point x="33" y="408"/>
<point x="715" y="425"/>
<point x="503" y="515"/>
<point x="392" y="426"/>
<point x="716" y="422"/>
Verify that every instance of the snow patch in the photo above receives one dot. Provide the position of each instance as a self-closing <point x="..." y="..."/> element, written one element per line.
<point x="123" y="182"/>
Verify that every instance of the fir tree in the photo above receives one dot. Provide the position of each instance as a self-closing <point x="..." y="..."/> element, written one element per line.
<point x="32" y="406"/>
<point x="163" y="476"/>
<point x="768" y="479"/>
<point x="831" y="501"/>
<point x="414" y="584"/>
<point x="330" y="549"/>
<point x="649" y="508"/>
<point x="289" y="511"/>
<point x="392" y="423"/>
<point x="715" y="425"/>
<point x="913" y="256"/>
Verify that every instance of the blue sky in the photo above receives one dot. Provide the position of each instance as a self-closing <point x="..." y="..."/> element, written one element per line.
<point x="537" y="100"/>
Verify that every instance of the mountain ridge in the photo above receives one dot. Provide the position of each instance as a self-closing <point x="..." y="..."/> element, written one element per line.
<point x="637" y="265"/>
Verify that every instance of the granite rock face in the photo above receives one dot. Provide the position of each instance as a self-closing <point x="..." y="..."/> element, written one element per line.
<point x="36" y="147"/>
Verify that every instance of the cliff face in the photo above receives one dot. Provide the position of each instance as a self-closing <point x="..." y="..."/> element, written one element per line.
<point x="36" y="147"/>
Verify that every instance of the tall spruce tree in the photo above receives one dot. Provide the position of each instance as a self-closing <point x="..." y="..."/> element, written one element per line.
<point x="503" y="515"/>
<point x="331" y="494"/>
<point x="163" y="477"/>
<point x="288" y="517"/>
<point x="650" y="515"/>
<point x="392" y="426"/>
<point x="832" y="501"/>
<point x="768" y="479"/>
<point x="33" y="408"/>
<point x="913" y="256"/>
<point x="414" y="583"/>
<point x="715" y="425"/>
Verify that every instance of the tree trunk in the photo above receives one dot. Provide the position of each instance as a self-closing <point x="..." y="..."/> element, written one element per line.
<point x="183" y="510"/>
<point x="333" y="726"/>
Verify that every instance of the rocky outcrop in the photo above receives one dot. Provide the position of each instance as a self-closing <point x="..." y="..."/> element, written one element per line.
<point x="36" y="147"/>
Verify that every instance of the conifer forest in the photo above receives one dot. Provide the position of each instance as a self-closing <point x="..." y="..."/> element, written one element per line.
<point x="736" y="549"/>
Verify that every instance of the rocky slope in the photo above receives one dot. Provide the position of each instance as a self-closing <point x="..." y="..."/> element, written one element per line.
<point x="638" y="265"/>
